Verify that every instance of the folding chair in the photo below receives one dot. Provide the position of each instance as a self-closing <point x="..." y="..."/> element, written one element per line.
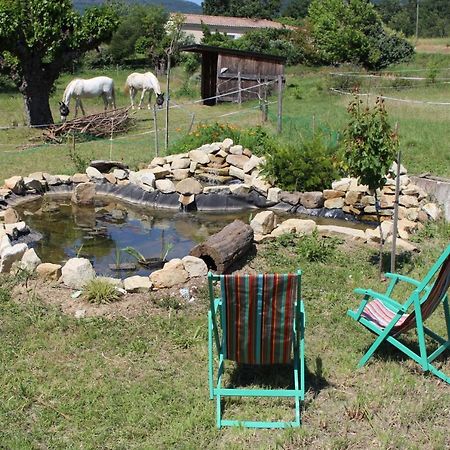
<point x="260" y="320"/>
<point x="388" y="319"/>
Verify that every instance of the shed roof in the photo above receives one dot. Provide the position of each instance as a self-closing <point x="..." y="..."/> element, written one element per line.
<point x="198" y="48"/>
<point x="225" y="21"/>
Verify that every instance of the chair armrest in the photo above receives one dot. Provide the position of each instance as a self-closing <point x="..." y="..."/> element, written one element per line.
<point x="396" y="276"/>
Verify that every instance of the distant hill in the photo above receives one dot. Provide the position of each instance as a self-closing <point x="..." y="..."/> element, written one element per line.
<point x="183" y="6"/>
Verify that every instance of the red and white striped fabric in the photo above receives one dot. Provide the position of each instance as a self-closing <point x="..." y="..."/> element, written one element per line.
<point x="381" y="316"/>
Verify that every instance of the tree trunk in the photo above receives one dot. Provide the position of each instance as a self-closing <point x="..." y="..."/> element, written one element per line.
<point x="36" y="102"/>
<point x="221" y="250"/>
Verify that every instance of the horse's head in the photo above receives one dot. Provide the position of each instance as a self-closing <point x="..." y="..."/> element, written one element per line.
<point x="64" y="111"/>
<point x="160" y="99"/>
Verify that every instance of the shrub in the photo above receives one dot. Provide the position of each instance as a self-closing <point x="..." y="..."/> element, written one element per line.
<point x="100" y="292"/>
<point x="309" y="165"/>
<point x="256" y="138"/>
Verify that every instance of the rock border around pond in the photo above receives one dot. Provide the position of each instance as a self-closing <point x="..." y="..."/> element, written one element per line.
<point x="174" y="182"/>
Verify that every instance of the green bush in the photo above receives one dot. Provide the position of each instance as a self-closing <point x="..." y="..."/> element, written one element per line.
<point x="309" y="165"/>
<point x="255" y="138"/>
<point x="100" y="292"/>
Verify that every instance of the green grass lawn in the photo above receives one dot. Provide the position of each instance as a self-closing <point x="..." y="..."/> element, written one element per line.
<point x="308" y="104"/>
<point x="140" y="381"/>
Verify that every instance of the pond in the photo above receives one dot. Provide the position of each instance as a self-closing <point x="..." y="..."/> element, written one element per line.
<point x="102" y="232"/>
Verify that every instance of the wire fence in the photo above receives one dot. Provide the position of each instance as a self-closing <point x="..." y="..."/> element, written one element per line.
<point x="140" y="143"/>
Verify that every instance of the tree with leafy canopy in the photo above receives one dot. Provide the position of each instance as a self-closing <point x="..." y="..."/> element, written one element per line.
<point x="297" y="9"/>
<point x="370" y="148"/>
<point x="216" y="7"/>
<point x="38" y="38"/>
<point x="353" y="32"/>
<point x="259" y="9"/>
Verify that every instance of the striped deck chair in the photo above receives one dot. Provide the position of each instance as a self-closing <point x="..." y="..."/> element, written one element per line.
<point x="388" y="319"/>
<point x="257" y="319"/>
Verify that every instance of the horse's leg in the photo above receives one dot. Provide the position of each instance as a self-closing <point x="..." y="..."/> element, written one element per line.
<point x="105" y="101"/>
<point x="132" y="94"/>
<point x="77" y="102"/>
<point x="81" y="106"/>
<point x="142" y="97"/>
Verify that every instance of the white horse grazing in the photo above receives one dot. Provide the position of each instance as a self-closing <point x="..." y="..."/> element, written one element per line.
<point x="145" y="82"/>
<point x="93" y="87"/>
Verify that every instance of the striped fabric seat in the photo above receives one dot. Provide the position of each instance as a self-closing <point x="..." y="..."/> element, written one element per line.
<point x="259" y="316"/>
<point x="381" y="315"/>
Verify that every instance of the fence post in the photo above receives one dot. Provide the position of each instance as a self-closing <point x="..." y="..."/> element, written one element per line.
<point x="240" y="87"/>
<point x="265" y="105"/>
<point x="155" y="126"/>
<point x="166" y="142"/>
<point x="280" y="103"/>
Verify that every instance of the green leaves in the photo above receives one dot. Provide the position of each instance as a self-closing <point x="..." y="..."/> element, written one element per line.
<point x="370" y="143"/>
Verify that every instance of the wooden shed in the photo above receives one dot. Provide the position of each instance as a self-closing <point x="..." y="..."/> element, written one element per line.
<point x="231" y="73"/>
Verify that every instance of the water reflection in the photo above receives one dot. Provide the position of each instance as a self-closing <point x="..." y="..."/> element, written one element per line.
<point x="102" y="231"/>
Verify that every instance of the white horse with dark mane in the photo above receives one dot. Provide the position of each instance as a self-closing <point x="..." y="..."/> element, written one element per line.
<point x="92" y="87"/>
<point x="147" y="82"/>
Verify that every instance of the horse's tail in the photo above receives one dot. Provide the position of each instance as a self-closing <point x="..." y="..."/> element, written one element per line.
<point x="126" y="87"/>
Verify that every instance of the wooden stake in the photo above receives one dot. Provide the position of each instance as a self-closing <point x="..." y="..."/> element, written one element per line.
<point x="394" y="232"/>
<point x="280" y="103"/>
<point x="155" y="126"/>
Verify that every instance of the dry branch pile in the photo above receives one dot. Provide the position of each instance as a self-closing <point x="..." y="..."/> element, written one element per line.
<point x="98" y="125"/>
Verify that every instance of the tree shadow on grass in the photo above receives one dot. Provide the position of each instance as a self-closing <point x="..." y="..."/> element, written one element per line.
<point x="401" y="260"/>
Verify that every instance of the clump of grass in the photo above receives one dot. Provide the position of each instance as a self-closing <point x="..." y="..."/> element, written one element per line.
<point x="317" y="249"/>
<point x="100" y="292"/>
<point x="169" y="303"/>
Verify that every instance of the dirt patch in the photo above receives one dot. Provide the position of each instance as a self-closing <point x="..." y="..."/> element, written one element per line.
<point x="191" y="295"/>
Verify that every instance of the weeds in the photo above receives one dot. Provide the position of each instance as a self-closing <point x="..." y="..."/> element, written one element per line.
<point x="317" y="249"/>
<point x="100" y="292"/>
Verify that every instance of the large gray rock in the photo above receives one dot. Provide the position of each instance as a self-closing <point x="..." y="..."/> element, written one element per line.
<point x="4" y="243"/>
<point x="30" y="260"/>
<point x="194" y="266"/>
<point x="94" y="174"/>
<point x="181" y="163"/>
<point x="312" y="199"/>
<point x="10" y="215"/>
<point x="333" y="230"/>
<point x="143" y="178"/>
<point x="49" y="271"/>
<point x="189" y="186"/>
<point x="299" y="226"/>
<point x="77" y="272"/>
<point x="137" y="284"/>
<point x="10" y="255"/>
<point x="165" y="186"/>
<point x="83" y="194"/>
<point x="293" y="198"/>
<point x="173" y="273"/>
<point x="199" y="156"/>
<point x="264" y="222"/>
<point x="432" y="210"/>
<point x="238" y="161"/>
<point x="16" y="185"/>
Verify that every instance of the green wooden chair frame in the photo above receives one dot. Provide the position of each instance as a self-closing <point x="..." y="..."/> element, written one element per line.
<point x="216" y="326"/>
<point x="416" y="301"/>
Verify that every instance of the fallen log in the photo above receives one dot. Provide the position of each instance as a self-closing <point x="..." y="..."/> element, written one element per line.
<point x="221" y="250"/>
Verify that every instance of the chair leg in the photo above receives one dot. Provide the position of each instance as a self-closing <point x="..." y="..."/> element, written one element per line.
<point x="210" y="357"/>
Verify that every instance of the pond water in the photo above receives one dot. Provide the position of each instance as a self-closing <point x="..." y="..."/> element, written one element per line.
<point x="102" y="232"/>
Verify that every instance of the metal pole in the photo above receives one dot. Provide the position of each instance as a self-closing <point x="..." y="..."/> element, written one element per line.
<point x="280" y="103"/>
<point x="397" y="193"/>
<point x="155" y="125"/>
<point x="265" y="105"/>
